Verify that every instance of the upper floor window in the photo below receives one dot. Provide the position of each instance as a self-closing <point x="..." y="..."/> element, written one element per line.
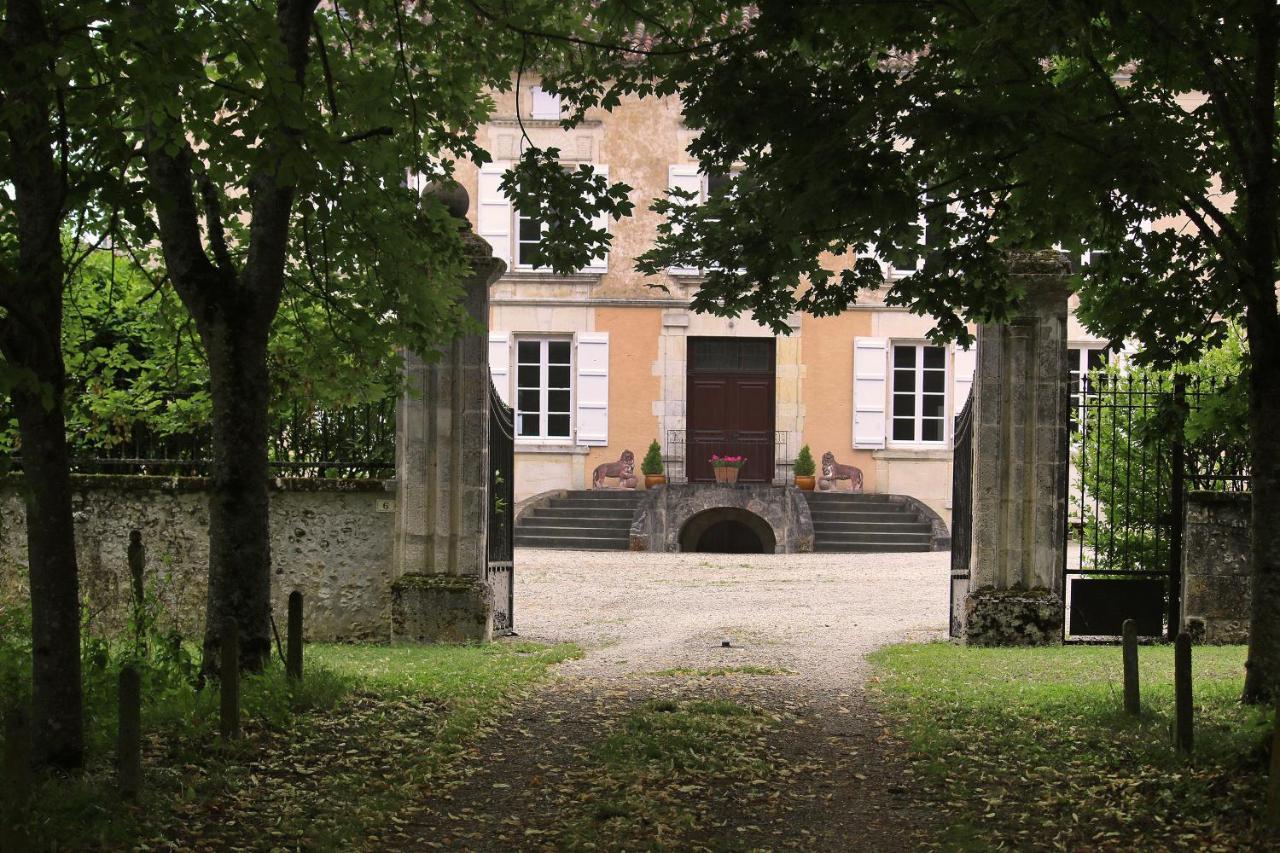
<point x="1082" y="361"/>
<point x="545" y="105"/>
<point x="529" y="230"/>
<point x="544" y="387"/>
<point x="918" y="393"/>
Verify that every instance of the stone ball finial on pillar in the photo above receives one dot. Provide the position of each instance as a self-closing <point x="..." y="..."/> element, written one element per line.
<point x="451" y="194"/>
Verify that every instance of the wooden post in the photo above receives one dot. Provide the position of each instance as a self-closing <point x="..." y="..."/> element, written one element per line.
<point x="293" y="662"/>
<point x="1273" y="783"/>
<point x="137" y="561"/>
<point x="230" y="682"/>
<point x="1183" y="733"/>
<point x="129" y="733"/>
<point x="1132" y="698"/>
<point x="17" y="770"/>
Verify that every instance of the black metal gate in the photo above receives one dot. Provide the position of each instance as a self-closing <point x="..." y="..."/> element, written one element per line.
<point x="1132" y="462"/>
<point x="501" y="565"/>
<point x="961" y="515"/>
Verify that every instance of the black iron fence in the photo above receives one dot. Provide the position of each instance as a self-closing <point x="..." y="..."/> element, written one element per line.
<point x="961" y="514"/>
<point x="1140" y="444"/>
<point x="501" y="536"/>
<point x="356" y="442"/>
<point x="770" y="458"/>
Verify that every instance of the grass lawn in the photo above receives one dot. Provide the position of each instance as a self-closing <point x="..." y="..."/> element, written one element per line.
<point x="652" y="777"/>
<point x="1030" y="748"/>
<point x="321" y="766"/>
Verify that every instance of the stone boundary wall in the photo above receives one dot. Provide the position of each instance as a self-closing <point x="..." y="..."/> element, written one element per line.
<point x="331" y="539"/>
<point x="1215" y="567"/>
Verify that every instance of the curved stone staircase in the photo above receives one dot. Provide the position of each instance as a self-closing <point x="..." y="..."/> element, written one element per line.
<point x="858" y="523"/>
<point x="581" y="521"/>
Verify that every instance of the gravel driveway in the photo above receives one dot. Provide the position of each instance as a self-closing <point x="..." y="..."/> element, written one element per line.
<point x="814" y="614"/>
<point x="652" y="627"/>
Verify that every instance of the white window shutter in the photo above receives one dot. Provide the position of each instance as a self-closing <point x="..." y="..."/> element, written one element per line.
<point x="593" y="388"/>
<point x="870" y="360"/>
<point x="600" y="263"/>
<point x="500" y="364"/>
<point x="493" y="214"/>
<point x="546" y="106"/>
<point x="966" y="360"/>
<point x="689" y="179"/>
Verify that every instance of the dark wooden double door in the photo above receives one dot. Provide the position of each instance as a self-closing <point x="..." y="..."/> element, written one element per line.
<point x="730" y="412"/>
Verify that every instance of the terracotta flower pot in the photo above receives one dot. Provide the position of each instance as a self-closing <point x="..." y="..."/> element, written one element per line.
<point x="805" y="483"/>
<point x="651" y="480"/>
<point x="725" y="474"/>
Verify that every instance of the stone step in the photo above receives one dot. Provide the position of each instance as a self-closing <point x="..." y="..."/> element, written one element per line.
<point x="571" y="511"/>
<point x="578" y="520"/>
<point x="869" y="548"/>
<point x="870" y="516"/>
<point x="576" y="542"/>
<point x="862" y="536"/>
<point x="907" y="525"/>
<point x="592" y="505"/>
<point x="847" y="497"/>
<point x="627" y="495"/>
<point x="574" y="528"/>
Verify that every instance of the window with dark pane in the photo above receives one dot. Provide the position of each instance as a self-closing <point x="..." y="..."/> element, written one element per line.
<point x="904" y="392"/>
<point x="919" y="393"/>
<point x="736" y="355"/>
<point x="544" y="389"/>
<point x="529" y="241"/>
<point x="718" y="184"/>
<point x="1081" y="362"/>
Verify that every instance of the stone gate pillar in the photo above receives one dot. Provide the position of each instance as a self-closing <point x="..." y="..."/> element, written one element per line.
<point x="1020" y="464"/>
<point x="441" y="592"/>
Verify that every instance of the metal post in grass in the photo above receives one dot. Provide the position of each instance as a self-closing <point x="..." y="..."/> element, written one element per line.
<point x="129" y="733"/>
<point x="293" y="661"/>
<point x="1183" y="734"/>
<point x="17" y="770"/>
<point x="1129" y="651"/>
<point x="230" y="683"/>
<point x="1273" y="782"/>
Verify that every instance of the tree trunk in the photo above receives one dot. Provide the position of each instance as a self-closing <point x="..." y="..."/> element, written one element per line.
<point x="1262" y="672"/>
<point x="55" y="601"/>
<point x="239" y="531"/>
<point x="31" y="340"/>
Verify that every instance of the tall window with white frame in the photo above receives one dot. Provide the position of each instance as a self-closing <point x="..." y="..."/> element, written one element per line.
<point x="1082" y="361"/>
<point x="919" y="393"/>
<point x="544" y="390"/>
<point x="529" y="231"/>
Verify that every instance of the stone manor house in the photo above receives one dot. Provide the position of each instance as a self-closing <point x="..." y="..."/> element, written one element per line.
<point x="599" y="362"/>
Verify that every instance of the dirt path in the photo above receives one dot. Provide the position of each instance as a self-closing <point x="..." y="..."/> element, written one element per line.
<point x="661" y="737"/>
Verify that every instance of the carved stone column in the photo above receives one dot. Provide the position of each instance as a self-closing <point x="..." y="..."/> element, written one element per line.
<point x="441" y="592"/>
<point x="1020" y="464"/>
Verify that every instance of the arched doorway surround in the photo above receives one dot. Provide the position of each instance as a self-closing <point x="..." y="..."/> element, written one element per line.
<point x="777" y="515"/>
<point x="727" y="530"/>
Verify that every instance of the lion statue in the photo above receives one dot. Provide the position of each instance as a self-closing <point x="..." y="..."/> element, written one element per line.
<point x="624" y="470"/>
<point x="832" y="471"/>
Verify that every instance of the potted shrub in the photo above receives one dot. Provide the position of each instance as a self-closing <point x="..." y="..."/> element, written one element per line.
<point x="651" y="466"/>
<point x="805" y="469"/>
<point x="726" y="468"/>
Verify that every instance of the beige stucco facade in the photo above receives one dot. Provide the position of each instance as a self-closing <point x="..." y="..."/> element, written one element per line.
<point x="629" y="336"/>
